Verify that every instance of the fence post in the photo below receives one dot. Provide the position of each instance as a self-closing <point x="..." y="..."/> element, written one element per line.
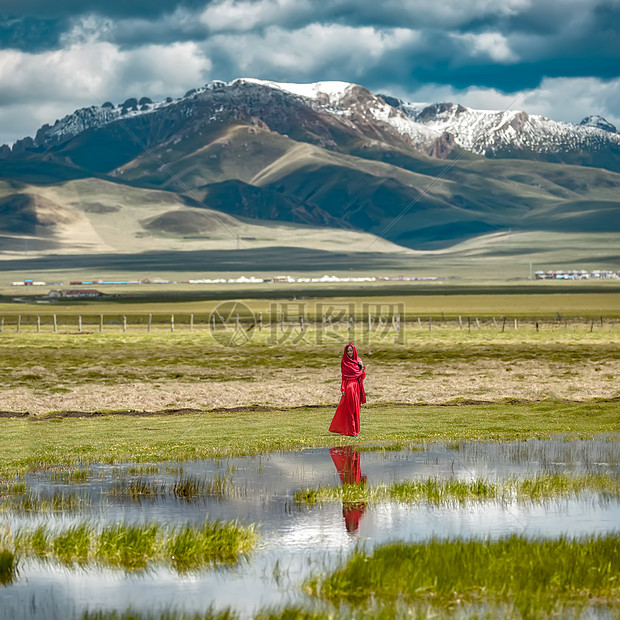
<point x="38" y="324"/>
<point x="460" y="322"/>
<point x="213" y="322"/>
<point x="281" y="321"/>
<point x="430" y="323"/>
<point x="124" y="323"/>
<point x="419" y="322"/>
<point x="504" y="324"/>
<point x="55" y="325"/>
<point x="191" y="322"/>
<point x="301" y="323"/>
<point x="149" y="325"/>
<point x="260" y="321"/>
<point x="323" y="322"/>
<point x="79" y="324"/>
<point x="494" y="322"/>
<point x="477" y="323"/>
<point x="468" y="324"/>
<point x="19" y="321"/>
<point x="350" y="322"/>
<point x="515" y="323"/>
<point x="172" y="322"/>
<point x="369" y="322"/>
<point x="398" y="322"/>
<point x="100" y="322"/>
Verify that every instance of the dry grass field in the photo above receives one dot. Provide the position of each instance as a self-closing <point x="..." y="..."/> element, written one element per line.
<point x="45" y="373"/>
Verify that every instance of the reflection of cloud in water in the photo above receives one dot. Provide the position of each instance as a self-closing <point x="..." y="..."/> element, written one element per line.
<point x="320" y="527"/>
<point x="414" y="523"/>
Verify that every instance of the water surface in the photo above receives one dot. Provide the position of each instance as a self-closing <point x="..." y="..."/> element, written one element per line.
<point x="296" y="541"/>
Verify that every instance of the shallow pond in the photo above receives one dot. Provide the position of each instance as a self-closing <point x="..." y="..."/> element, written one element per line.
<point x="295" y="540"/>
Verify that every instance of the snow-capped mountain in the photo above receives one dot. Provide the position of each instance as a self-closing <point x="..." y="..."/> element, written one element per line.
<point x="336" y="106"/>
<point x="599" y="123"/>
<point x="493" y="133"/>
<point x="347" y="104"/>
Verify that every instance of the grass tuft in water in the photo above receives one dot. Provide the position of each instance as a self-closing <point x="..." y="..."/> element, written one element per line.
<point x="439" y="492"/>
<point x="185" y="488"/>
<point x="29" y="502"/>
<point x="15" y="488"/>
<point x="74" y="544"/>
<point x="129" y="614"/>
<point x="535" y="577"/>
<point x="71" y="476"/>
<point x="129" y="547"/>
<point x="134" y="547"/>
<point x="8" y="567"/>
<point x="189" y="548"/>
<point x="144" y="470"/>
<point x="138" y="489"/>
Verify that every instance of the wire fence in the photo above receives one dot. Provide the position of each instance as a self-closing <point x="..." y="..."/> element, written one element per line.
<point x="284" y="322"/>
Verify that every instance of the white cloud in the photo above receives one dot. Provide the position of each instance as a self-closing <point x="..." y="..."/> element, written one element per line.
<point x="492" y="45"/>
<point x="88" y="73"/>
<point x="330" y="51"/>
<point x="230" y="15"/>
<point x="245" y="15"/>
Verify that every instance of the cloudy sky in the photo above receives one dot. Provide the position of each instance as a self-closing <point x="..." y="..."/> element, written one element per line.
<point x="559" y="58"/>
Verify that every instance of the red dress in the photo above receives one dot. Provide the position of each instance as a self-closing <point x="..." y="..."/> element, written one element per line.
<point x="346" y="420"/>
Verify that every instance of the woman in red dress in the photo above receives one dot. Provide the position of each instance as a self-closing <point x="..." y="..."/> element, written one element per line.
<point x="347" y="417"/>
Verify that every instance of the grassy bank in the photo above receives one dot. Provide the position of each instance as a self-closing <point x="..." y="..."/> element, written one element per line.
<point x="27" y="444"/>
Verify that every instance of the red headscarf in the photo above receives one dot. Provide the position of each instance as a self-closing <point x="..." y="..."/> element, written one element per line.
<point x="349" y="365"/>
<point x="351" y="369"/>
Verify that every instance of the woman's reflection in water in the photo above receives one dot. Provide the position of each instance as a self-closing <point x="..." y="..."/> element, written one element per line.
<point x="347" y="462"/>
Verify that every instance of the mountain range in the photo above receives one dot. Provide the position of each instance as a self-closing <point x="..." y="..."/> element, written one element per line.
<point x="331" y="166"/>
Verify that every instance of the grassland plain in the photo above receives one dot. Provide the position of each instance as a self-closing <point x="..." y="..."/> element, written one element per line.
<point x="28" y="444"/>
<point x="159" y="371"/>
<point x="557" y="376"/>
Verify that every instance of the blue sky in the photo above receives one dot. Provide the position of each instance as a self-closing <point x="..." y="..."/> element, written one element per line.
<point x="559" y="58"/>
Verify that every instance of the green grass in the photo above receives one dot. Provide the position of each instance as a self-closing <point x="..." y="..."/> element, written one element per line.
<point x="8" y="567"/>
<point x="138" y="489"/>
<point x="134" y="547"/>
<point x="27" y="445"/>
<point x="129" y="547"/>
<point x="440" y="492"/>
<point x="534" y="577"/>
<point x="57" y="502"/>
<point x="163" y="615"/>
<point x="71" y="476"/>
<point x="186" y="488"/>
